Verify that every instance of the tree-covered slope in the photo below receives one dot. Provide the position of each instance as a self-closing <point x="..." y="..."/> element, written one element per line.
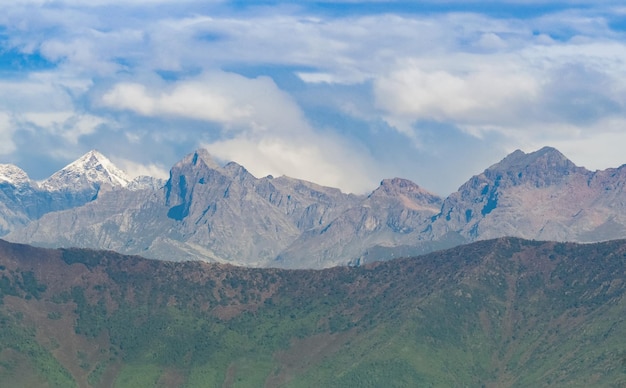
<point x="497" y="313"/>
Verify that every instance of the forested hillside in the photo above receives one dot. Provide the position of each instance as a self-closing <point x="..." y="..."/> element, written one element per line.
<point x="505" y="312"/>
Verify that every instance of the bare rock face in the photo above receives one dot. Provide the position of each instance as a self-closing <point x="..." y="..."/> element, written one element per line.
<point x="223" y="213"/>
<point x="217" y="208"/>
<point x="541" y="195"/>
<point x="203" y="211"/>
<point x="235" y="217"/>
<point x="395" y="214"/>
<point x="306" y="204"/>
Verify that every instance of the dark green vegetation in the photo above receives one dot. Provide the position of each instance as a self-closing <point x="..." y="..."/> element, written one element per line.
<point x="497" y="313"/>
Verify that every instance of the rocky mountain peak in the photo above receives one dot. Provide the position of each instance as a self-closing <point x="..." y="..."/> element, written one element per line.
<point x="397" y="185"/>
<point x="197" y="170"/>
<point x="545" y="158"/>
<point x="13" y="175"/>
<point x="544" y="167"/>
<point x="237" y="171"/>
<point x="199" y="158"/>
<point x="406" y="189"/>
<point x="89" y="171"/>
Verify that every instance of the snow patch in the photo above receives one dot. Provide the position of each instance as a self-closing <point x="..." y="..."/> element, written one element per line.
<point x="13" y="175"/>
<point x="91" y="170"/>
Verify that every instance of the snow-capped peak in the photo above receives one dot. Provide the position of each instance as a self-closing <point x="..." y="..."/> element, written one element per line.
<point x="90" y="170"/>
<point x="14" y="175"/>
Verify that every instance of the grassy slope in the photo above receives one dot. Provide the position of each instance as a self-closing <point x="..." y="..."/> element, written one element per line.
<point x="498" y="313"/>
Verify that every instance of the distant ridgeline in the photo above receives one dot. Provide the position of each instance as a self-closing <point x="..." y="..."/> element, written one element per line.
<point x="215" y="213"/>
<point x="504" y="312"/>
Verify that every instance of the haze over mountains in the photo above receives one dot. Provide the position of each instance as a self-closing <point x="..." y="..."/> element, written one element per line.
<point x="209" y="212"/>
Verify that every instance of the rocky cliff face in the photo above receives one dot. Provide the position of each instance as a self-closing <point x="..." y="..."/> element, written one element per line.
<point x="393" y="215"/>
<point x="223" y="213"/>
<point x="203" y="211"/>
<point x="218" y="209"/>
<point x="541" y="195"/>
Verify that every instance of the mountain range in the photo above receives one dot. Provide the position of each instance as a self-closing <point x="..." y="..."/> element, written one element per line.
<point x="209" y="212"/>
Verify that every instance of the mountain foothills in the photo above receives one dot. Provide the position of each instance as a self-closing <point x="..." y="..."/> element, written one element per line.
<point x="209" y="212"/>
<point x="495" y="313"/>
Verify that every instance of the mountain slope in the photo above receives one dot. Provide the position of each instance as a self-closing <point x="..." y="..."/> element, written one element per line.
<point x="541" y="195"/>
<point x="23" y="200"/>
<point x="393" y="215"/>
<point x="497" y="313"/>
<point x="89" y="172"/>
<point x="204" y="211"/>
<point x="223" y="213"/>
<point x="218" y="210"/>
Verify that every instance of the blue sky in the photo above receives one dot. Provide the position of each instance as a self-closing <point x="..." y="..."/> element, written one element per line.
<point x="340" y="93"/>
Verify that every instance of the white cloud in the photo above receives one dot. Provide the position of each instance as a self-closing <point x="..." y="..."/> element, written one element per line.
<point x="134" y="169"/>
<point x="96" y="3"/>
<point x="315" y="78"/>
<point x="595" y="152"/>
<point x="532" y="94"/>
<point x="69" y="125"/>
<point x="33" y="95"/>
<point x="323" y="161"/>
<point x="47" y="119"/>
<point x="263" y="128"/>
<point x="596" y="146"/>
<point x="198" y="101"/>
<point x="7" y="145"/>
<point x="221" y="97"/>
<point x="479" y="95"/>
<point x="81" y="125"/>
<point x="43" y="103"/>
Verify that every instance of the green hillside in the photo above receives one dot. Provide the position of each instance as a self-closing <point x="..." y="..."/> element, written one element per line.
<point x="497" y="313"/>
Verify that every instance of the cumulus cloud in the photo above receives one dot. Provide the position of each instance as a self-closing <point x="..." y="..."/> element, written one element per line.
<point x="33" y="95"/>
<point x="324" y="162"/>
<point x="532" y="94"/>
<point x="595" y="152"/>
<point x="476" y="96"/>
<point x="264" y="128"/>
<point x="68" y="125"/>
<point x="226" y="98"/>
<point x="44" y="104"/>
<point x="200" y="99"/>
<point x="134" y="169"/>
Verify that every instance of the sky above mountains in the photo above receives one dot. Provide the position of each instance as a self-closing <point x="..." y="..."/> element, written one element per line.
<point x="340" y="93"/>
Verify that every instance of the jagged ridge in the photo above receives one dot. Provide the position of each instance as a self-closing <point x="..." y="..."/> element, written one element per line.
<point x="214" y="213"/>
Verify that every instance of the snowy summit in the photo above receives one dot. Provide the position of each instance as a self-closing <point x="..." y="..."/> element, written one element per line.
<point x="91" y="170"/>
<point x="13" y="175"/>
